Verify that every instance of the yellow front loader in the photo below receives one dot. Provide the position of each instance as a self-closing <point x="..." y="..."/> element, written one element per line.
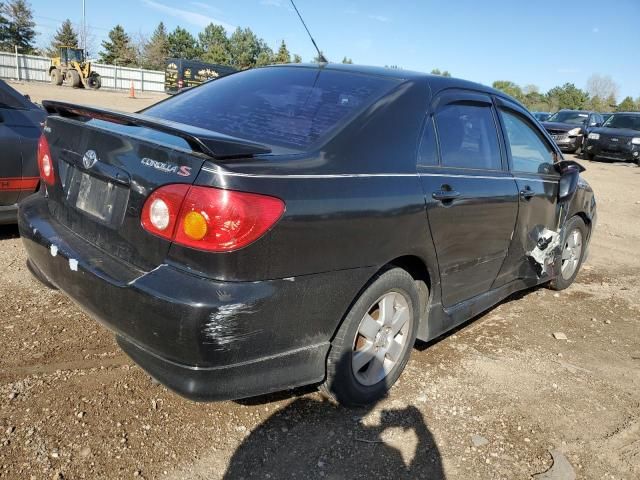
<point x="71" y="69"/>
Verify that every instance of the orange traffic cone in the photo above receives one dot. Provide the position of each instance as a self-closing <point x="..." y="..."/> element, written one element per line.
<point x="132" y="92"/>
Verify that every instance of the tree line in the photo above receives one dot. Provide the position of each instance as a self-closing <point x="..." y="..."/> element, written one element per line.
<point x="600" y="95"/>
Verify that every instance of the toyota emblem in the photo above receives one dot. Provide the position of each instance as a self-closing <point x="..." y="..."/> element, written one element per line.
<point x="89" y="159"/>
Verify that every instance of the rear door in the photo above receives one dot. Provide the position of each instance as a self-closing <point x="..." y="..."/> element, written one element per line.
<point x="471" y="198"/>
<point x="531" y="158"/>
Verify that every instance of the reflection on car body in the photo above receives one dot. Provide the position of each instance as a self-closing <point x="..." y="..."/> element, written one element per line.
<point x="332" y="214"/>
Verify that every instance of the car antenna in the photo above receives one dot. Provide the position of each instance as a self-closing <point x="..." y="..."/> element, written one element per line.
<point x="321" y="56"/>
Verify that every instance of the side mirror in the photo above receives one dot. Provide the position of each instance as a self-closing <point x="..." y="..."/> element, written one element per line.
<point x="569" y="175"/>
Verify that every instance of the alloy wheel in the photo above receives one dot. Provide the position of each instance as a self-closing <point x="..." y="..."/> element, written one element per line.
<point x="381" y="339"/>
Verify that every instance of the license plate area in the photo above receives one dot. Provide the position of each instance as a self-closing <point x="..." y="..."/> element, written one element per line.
<point x="560" y="138"/>
<point x="103" y="201"/>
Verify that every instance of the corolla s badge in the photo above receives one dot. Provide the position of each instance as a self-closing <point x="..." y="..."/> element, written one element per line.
<point x="89" y="159"/>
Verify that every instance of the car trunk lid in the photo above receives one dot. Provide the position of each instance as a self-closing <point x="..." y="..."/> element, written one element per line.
<point x="107" y="164"/>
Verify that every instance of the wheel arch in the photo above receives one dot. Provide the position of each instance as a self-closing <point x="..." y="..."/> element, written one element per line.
<point x="417" y="268"/>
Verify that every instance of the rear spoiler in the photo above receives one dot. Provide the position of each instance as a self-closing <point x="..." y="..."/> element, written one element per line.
<point x="212" y="144"/>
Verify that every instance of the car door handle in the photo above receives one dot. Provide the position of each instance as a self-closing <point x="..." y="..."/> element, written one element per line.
<point x="526" y="193"/>
<point x="444" y="195"/>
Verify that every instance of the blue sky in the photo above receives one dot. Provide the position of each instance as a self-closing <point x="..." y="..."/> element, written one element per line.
<point x="542" y="42"/>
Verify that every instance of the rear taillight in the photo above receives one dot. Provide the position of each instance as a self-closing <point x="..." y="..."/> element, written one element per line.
<point x="180" y="84"/>
<point x="45" y="162"/>
<point x="208" y="218"/>
<point x="161" y="210"/>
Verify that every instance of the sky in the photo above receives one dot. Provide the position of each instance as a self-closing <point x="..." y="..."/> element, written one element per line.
<point x="543" y="42"/>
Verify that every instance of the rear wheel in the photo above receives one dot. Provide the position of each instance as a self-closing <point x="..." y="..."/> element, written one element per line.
<point x="573" y="246"/>
<point x="374" y="342"/>
<point x="56" y="77"/>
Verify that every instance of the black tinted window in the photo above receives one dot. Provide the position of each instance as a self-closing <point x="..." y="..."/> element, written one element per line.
<point x="468" y="137"/>
<point x="290" y="107"/>
<point x="529" y="152"/>
<point x="623" y="120"/>
<point x="428" y="151"/>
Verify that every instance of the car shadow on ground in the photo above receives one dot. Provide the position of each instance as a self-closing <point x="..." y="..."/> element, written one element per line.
<point x="315" y="438"/>
<point x="8" y="231"/>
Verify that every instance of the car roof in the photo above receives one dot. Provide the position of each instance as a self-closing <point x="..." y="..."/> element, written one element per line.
<point x="625" y="113"/>
<point x="437" y="82"/>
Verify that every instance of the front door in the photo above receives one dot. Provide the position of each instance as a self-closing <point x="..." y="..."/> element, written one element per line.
<point x="471" y="198"/>
<point x="531" y="157"/>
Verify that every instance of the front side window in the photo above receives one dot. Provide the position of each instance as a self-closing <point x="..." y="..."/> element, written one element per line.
<point x="529" y="152"/>
<point x="468" y="137"/>
<point x="282" y="106"/>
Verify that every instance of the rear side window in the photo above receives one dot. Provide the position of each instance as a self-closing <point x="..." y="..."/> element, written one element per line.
<point x="468" y="137"/>
<point x="289" y="107"/>
<point x="529" y="152"/>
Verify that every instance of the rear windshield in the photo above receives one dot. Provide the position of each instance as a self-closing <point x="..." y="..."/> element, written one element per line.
<point x="623" y="121"/>
<point x="289" y="107"/>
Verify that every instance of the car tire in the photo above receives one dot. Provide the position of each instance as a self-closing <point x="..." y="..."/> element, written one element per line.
<point x="367" y="332"/>
<point x="588" y="156"/>
<point x="578" y="149"/>
<point x="569" y="262"/>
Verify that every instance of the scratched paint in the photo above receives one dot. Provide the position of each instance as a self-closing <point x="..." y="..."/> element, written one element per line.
<point x="225" y="325"/>
<point x="73" y="264"/>
<point x="54" y="250"/>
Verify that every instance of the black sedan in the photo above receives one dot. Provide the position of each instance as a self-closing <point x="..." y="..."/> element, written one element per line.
<point x="20" y="128"/>
<point x="569" y="128"/>
<point x="618" y="139"/>
<point x="295" y="225"/>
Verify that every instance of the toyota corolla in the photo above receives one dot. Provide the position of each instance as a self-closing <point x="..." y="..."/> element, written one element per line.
<point x="295" y="225"/>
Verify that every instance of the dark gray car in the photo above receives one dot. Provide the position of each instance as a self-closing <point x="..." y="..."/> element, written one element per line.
<point x="20" y="129"/>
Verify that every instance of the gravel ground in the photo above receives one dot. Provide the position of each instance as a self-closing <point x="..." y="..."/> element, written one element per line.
<point x="490" y="400"/>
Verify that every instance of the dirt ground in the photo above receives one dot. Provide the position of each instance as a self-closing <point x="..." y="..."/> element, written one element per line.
<point x="116" y="100"/>
<point x="490" y="400"/>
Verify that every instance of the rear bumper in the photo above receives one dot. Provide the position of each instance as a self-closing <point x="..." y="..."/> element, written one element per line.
<point x="8" y="214"/>
<point x="203" y="338"/>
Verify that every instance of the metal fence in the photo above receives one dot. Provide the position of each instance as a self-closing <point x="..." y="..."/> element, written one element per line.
<point x="36" y="69"/>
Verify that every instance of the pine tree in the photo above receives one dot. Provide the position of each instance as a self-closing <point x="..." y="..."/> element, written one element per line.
<point x="17" y="27"/>
<point x="627" y="105"/>
<point x="245" y="47"/>
<point x="156" y="50"/>
<point x="183" y="45"/>
<point x="65" y="36"/>
<point x="347" y="60"/>
<point x="297" y="58"/>
<point x="283" y="55"/>
<point x="265" y="57"/>
<point x="119" y="49"/>
<point x="214" y="44"/>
